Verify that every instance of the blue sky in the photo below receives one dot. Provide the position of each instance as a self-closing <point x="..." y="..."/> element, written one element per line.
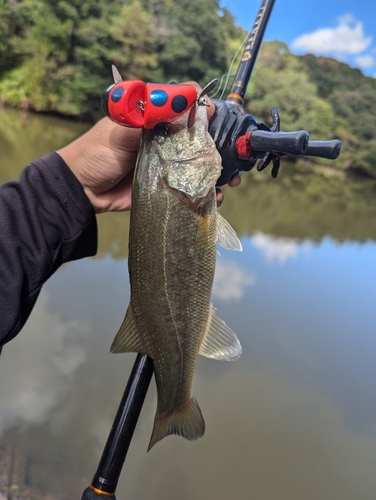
<point x="343" y="29"/>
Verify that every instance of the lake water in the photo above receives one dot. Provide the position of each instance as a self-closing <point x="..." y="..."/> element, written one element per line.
<point x="294" y="418"/>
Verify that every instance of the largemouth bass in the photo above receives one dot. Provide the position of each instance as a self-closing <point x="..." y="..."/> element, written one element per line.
<point x="172" y="251"/>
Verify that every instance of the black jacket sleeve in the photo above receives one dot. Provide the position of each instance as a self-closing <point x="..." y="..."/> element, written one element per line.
<point x="45" y="220"/>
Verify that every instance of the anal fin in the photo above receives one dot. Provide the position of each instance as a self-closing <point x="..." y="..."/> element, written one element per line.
<point x="220" y="342"/>
<point x="127" y="338"/>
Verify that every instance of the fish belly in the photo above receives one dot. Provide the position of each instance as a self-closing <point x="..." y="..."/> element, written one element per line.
<point x="171" y="264"/>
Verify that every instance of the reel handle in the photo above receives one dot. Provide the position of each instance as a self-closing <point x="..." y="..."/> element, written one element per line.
<point x="324" y="149"/>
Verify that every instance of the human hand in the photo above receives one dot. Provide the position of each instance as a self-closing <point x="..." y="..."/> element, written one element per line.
<point x="103" y="160"/>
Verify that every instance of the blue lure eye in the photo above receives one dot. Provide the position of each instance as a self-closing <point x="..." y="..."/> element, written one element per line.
<point x="116" y="94"/>
<point x="179" y="103"/>
<point x="158" y="97"/>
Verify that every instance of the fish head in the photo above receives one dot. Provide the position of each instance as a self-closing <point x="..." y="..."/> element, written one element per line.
<point x="190" y="162"/>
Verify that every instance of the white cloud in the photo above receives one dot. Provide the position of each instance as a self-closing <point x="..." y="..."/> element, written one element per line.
<point x="231" y="281"/>
<point x="347" y="38"/>
<point x="365" y="61"/>
<point x="49" y="351"/>
<point x="276" y="249"/>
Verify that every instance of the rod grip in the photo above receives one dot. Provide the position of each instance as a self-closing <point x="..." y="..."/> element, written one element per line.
<point x="292" y="143"/>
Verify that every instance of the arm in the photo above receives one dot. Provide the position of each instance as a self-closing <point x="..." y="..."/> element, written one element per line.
<point x="45" y="220"/>
<point x="47" y="217"/>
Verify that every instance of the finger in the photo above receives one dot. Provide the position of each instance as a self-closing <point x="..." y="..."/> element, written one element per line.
<point x="235" y="181"/>
<point x="219" y="197"/>
<point x="211" y="109"/>
<point x="117" y="199"/>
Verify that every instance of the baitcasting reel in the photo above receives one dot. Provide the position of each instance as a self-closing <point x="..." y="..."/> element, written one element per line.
<point x="241" y="140"/>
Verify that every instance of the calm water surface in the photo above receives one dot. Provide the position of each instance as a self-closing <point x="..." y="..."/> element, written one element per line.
<point x="294" y="418"/>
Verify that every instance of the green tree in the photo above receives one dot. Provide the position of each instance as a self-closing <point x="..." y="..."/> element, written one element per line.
<point x="191" y="38"/>
<point x="40" y="81"/>
<point x="132" y="31"/>
<point x="12" y="22"/>
<point x="66" y="48"/>
<point x="353" y="100"/>
<point x="278" y="80"/>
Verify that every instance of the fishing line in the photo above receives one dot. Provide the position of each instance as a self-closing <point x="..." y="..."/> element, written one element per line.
<point x="228" y="74"/>
<point x="222" y="88"/>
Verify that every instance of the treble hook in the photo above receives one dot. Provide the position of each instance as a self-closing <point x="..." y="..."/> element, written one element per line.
<point x="201" y="100"/>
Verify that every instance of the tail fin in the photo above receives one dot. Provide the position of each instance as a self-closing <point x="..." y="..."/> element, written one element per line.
<point x="187" y="422"/>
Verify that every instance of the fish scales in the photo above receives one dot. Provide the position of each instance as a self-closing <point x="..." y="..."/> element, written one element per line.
<point x="174" y="295"/>
<point x="172" y="253"/>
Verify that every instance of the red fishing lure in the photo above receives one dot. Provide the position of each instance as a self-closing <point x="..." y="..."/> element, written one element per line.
<point x="136" y="104"/>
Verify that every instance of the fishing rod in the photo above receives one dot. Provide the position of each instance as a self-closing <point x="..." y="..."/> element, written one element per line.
<point x="107" y="475"/>
<point x="240" y="140"/>
<point x="235" y="97"/>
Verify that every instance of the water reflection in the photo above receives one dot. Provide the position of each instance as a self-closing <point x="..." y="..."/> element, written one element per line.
<point x="276" y="249"/>
<point x="26" y="136"/>
<point x="303" y="204"/>
<point x="51" y="350"/>
<point x="231" y="281"/>
<point x="293" y="418"/>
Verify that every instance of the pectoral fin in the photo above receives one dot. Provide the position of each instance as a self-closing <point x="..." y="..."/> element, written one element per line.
<point x="226" y="236"/>
<point x="127" y="338"/>
<point x="220" y="341"/>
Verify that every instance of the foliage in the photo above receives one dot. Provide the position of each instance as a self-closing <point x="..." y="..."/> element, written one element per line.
<point x="57" y="55"/>
<point x="279" y="81"/>
<point x="352" y="97"/>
